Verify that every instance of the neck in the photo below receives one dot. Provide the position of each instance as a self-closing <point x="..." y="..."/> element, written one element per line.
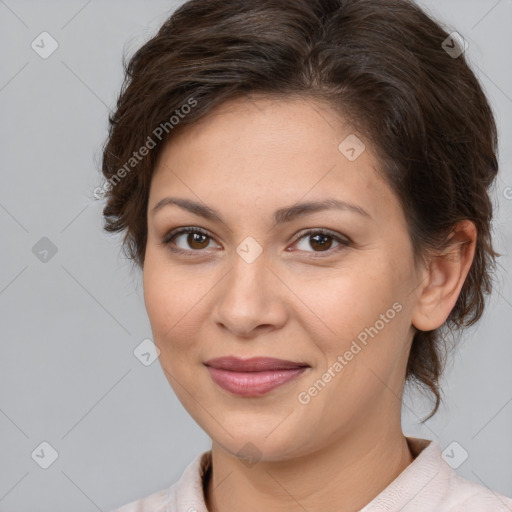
<point x="341" y="477"/>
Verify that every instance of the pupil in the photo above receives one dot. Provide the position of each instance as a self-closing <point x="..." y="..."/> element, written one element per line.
<point x="194" y="239"/>
<point x="323" y="245"/>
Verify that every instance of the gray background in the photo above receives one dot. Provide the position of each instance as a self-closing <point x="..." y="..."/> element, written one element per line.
<point x="68" y="375"/>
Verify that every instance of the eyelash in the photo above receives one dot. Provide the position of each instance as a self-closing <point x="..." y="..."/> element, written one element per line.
<point x="325" y="232"/>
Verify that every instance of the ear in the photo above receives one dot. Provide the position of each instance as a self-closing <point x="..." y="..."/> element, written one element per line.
<point x="444" y="277"/>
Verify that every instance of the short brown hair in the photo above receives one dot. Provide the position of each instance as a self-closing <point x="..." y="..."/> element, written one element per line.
<point x="381" y="63"/>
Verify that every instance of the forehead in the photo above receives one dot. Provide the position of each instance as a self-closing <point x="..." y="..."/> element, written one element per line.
<point x="253" y="150"/>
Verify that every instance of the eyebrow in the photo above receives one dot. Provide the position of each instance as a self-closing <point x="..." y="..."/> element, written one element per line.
<point x="281" y="216"/>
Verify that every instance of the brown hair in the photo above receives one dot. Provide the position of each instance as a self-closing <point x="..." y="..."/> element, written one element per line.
<point x="381" y="63"/>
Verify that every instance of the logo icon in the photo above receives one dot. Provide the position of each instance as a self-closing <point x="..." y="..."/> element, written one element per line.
<point x="44" y="45"/>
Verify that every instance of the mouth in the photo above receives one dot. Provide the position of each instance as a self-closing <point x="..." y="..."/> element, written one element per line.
<point x="253" y="377"/>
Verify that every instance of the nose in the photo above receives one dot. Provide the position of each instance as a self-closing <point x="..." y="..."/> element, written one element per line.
<point x="251" y="299"/>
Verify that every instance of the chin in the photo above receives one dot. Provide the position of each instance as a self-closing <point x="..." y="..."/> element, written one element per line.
<point x="252" y="443"/>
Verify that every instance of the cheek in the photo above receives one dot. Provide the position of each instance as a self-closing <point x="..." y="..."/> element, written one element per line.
<point x="351" y="299"/>
<point x="173" y="303"/>
<point x="364" y="318"/>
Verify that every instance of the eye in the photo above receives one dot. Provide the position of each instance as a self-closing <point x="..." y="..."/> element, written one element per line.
<point x="197" y="239"/>
<point x="321" y="239"/>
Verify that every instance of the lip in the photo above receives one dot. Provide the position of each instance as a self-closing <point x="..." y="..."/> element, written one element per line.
<point x="253" y="364"/>
<point x="253" y="377"/>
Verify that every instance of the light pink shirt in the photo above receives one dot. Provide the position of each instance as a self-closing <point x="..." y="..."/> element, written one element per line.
<point x="428" y="484"/>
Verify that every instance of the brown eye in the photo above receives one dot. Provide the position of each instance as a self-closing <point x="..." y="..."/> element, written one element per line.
<point x="195" y="240"/>
<point x="321" y="241"/>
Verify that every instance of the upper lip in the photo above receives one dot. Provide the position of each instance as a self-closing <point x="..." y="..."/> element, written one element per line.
<point x="254" y="364"/>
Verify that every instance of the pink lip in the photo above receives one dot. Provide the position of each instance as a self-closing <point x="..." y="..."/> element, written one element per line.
<point x="252" y="377"/>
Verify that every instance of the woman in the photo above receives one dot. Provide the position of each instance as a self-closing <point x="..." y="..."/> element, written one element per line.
<point x="305" y="188"/>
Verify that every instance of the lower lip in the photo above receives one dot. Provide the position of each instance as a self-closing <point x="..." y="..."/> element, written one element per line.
<point x="252" y="383"/>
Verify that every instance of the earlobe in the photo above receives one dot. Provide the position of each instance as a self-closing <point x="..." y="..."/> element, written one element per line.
<point x="444" y="278"/>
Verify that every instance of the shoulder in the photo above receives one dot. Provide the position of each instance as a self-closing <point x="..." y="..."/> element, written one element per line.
<point x="184" y="495"/>
<point x="449" y="490"/>
<point x="156" y="502"/>
<point x="430" y="484"/>
<point x="466" y="496"/>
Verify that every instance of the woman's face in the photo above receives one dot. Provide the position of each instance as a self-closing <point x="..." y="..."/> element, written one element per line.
<point x="338" y="302"/>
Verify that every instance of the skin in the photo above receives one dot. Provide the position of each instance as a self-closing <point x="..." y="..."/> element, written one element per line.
<point x="246" y="159"/>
